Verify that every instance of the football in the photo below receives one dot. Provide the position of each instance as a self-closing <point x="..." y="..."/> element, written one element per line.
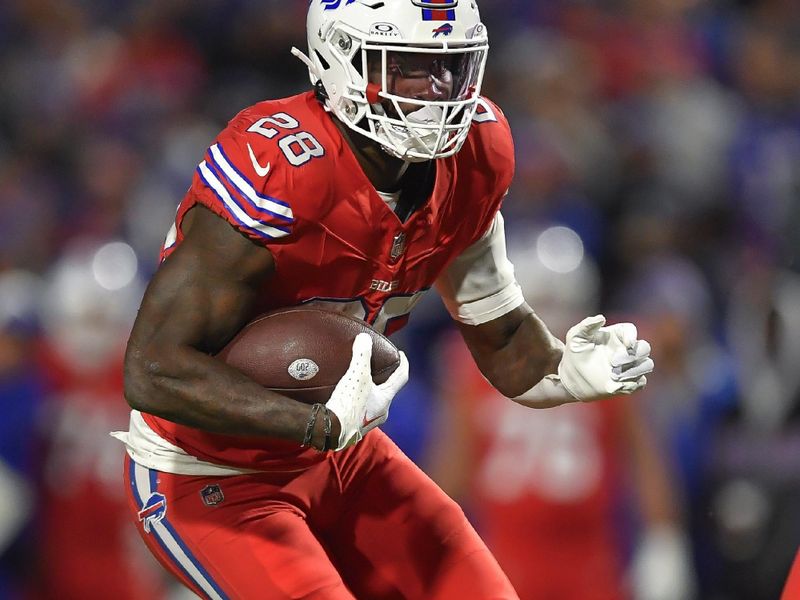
<point x="303" y="352"/>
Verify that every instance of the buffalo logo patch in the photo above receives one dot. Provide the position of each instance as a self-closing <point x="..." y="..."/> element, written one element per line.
<point x="153" y="511"/>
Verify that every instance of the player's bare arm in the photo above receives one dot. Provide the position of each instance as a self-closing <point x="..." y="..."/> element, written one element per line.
<point x="514" y="352"/>
<point x="200" y="298"/>
<point x="521" y="358"/>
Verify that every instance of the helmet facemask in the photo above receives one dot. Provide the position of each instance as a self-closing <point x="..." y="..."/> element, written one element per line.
<point x="416" y="100"/>
<point x="421" y="100"/>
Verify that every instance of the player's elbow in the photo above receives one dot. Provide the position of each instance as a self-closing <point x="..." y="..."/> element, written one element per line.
<point x="501" y="379"/>
<point x="511" y="389"/>
<point x="141" y="369"/>
<point x="517" y="377"/>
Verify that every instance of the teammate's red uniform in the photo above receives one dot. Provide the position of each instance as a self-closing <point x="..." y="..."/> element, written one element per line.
<point x="542" y="486"/>
<point x="82" y="514"/>
<point x="365" y="521"/>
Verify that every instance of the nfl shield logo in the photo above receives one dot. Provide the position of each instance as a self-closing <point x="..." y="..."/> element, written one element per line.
<point x="212" y="495"/>
<point x="398" y="246"/>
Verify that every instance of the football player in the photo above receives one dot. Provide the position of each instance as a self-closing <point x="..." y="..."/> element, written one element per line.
<point x="360" y="195"/>
<point x="88" y="304"/>
<point x="544" y="487"/>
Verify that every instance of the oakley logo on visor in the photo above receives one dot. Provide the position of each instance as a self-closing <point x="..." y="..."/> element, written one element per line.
<point x="384" y="30"/>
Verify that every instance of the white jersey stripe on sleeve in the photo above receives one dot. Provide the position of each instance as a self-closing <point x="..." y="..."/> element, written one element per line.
<point x="257" y="227"/>
<point x="259" y="202"/>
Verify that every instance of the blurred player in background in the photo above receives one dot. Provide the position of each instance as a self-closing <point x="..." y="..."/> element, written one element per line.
<point x="544" y="487"/>
<point x="751" y="488"/>
<point x="89" y="302"/>
<point x="385" y="180"/>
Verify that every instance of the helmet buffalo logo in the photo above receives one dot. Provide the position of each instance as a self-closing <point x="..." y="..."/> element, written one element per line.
<point x="444" y="30"/>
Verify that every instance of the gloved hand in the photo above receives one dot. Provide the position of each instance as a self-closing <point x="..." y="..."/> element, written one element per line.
<point x="358" y="402"/>
<point x="602" y="361"/>
<point x="662" y="566"/>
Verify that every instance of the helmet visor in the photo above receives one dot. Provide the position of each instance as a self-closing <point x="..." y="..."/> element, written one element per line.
<point x="418" y="74"/>
<point x="421" y="98"/>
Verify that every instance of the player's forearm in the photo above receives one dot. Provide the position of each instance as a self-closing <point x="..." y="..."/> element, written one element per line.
<point x="191" y="388"/>
<point x="530" y="355"/>
<point x="522" y="353"/>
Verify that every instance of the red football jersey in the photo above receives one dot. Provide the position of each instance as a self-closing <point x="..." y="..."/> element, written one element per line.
<point x="542" y="486"/>
<point x="87" y="547"/>
<point x="283" y="175"/>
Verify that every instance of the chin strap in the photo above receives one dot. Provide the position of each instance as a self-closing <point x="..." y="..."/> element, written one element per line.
<point x="319" y="88"/>
<point x="307" y="61"/>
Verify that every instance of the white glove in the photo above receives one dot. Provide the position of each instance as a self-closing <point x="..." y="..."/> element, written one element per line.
<point x="602" y="361"/>
<point x="358" y="402"/>
<point x="662" y="566"/>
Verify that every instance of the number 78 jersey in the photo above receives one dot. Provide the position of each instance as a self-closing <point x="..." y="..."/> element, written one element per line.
<point x="282" y="174"/>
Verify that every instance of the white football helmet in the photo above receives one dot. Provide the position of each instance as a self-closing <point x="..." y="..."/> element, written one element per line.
<point x="89" y="303"/>
<point x="405" y="73"/>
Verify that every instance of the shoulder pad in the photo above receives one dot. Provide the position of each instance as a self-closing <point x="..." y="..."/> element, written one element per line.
<point x="236" y="182"/>
<point x="492" y="143"/>
<point x="250" y="174"/>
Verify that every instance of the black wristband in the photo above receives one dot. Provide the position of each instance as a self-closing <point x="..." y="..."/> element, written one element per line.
<point x="327" y="425"/>
<point x="312" y="421"/>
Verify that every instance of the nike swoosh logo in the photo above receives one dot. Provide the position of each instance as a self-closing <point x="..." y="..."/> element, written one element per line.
<point x="367" y="423"/>
<point x="260" y="171"/>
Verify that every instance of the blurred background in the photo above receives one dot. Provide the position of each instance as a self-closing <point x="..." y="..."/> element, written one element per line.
<point x="658" y="181"/>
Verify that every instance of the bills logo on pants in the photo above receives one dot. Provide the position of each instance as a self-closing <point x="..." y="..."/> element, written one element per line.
<point x="154" y="510"/>
<point x="152" y="507"/>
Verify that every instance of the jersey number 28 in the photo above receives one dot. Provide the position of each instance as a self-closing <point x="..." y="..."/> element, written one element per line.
<point x="298" y="148"/>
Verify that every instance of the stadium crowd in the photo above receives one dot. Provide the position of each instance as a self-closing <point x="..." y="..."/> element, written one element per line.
<point x="658" y="180"/>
